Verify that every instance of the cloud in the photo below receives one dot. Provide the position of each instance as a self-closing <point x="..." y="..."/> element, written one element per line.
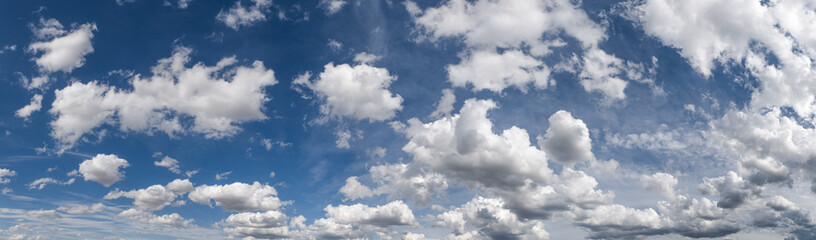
<point x="567" y="140"/>
<point x="267" y="225"/>
<point x="103" y="168"/>
<point x="332" y="6"/>
<point x="659" y="182"/>
<point x="44" y="214"/>
<point x="444" y="106"/>
<point x="152" y="198"/>
<point x="239" y="16"/>
<point x="487" y="69"/>
<point x="732" y="189"/>
<point x="398" y="181"/>
<point x="222" y="176"/>
<point x="180" y="186"/>
<point x="392" y="214"/>
<point x="40" y="183"/>
<point x="357" y="92"/>
<point x="173" y="220"/>
<point x="464" y="146"/>
<point x="83" y="209"/>
<point x="216" y="97"/>
<point x="238" y="196"/>
<point x="5" y="173"/>
<point x="170" y="163"/>
<point x="491" y="220"/>
<point x="27" y="110"/>
<point x="61" y="50"/>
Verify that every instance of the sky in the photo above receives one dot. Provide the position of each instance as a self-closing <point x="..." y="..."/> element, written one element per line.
<point x="408" y="119"/>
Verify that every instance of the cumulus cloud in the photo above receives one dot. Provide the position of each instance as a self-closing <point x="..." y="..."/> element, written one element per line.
<point x="238" y="196"/>
<point x="659" y="182"/>
<point x="398" y="181"/>
<point x="33" y="106"/>
<point x="180" y="186"/>
<point x="173" y="220"/>
<point x="217" y="97"/>
<point x="567" y="140"/>
<point x="392" y="214"/>
<point x="61" y="50"/>
<point x="267" y="225"/>
<point x="5" y="174"/>
<point x="444" y="106"/>
<point x="487" y="69"/>
<point x="152" y="198"/>
<point x="357" y="92"/>
<point x="491" y="220"/>
<point x="103" y="168"/>
<point x="464" y="146"/>
<point x="239" y="16"/>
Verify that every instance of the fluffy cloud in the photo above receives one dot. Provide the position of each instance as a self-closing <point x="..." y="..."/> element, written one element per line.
<point x="491" y="220"/>
<point x="152" y="198"/>
<point x="487" y="69"/>
<point x="266" y="225"/>
<point x="41" y="182"/>
<point x="170" y="163"/>
<point x="444" y="106"/>
<point x="180" y="186"/>
<point x="103" y="168"/>
<point x="61" y="50"/>
<point x="238" y="196"/>
<point x="5" y="174"/>
<point x="660" y="182"/>
<point x="33" y="106"/>
<point x="358" y="92"/>
<point x="173" y="220"/>
<point x="525" y="31"/>
<point x="732" y="189"/>
<point x="567" y="140"/>
<point x="398" y="181"/>
<point x="354" y="190"/>
<point x="217" y="97"/>
<point x="392" y="214"/>
<point x="464" y="146"/>
<point x="239" y="16"/>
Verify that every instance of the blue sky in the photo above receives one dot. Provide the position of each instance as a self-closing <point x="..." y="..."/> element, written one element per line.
<point x="366" y="119"/>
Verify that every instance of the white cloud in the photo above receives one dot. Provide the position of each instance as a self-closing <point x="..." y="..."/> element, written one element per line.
<point x="354" y="190"/>
<point x="152" y="198"/>
<point x="222" y="176"/>
<point x="266" y="225"/>
<point x="343" y="137"/>
<point x="180" y="186"/>
<point x="5" y="174"/>
<point x="567" y="140"/>
<point x="83" y="209"/>
<point x="491" y="220"/>
<point x="487" y="69"/>
<point x="335" y="45"/>
<point x="217" y="97"/>
<point x="40" y="183"/>
<point x="660" y="182"/>
<point x="392" y="214"/>
<point x="173" y="220"/>
<point x="61" y="51"/>
<point x="332" y="6"/>
<point x="602" y="72"/>
<point x="400" y="181"/>
<point x="239" y="16"/>
<point x="44" y="214"/>
<point x="170" y="163"/>
<point x="464" y="146"/>
<point x="357" y="92"/>
<point x="27" y="110"/>
<point x="103" y="168"/>
<point x="238" y="196"/>
<point x="444" y="106"/>
<point x="377" y="152"/>
<point x="780" y="203"/>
